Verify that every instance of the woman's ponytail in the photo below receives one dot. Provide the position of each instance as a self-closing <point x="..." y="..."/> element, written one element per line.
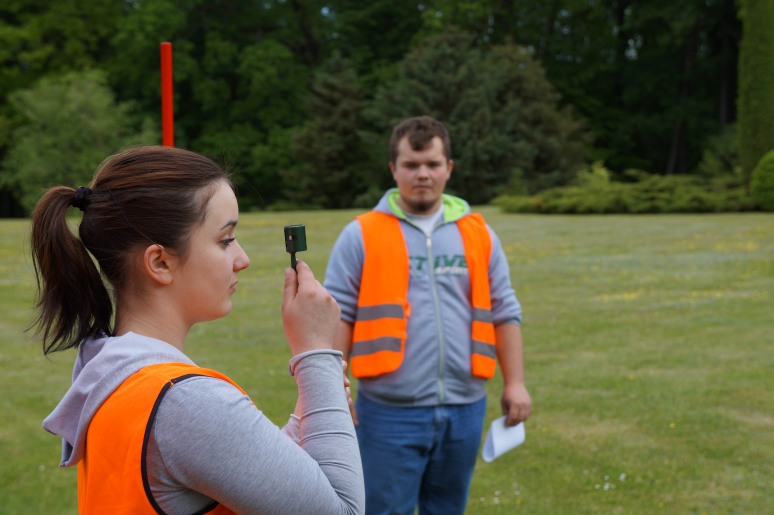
<point x="73" y="302"/>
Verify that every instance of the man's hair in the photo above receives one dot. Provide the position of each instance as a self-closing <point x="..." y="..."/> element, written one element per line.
<point x="420" y="131"/>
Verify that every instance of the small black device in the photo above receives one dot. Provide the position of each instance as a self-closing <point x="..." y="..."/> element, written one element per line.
<point x="295" y="241"/>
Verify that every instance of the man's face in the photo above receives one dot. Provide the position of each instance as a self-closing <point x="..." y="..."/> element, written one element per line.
<point x="421" y="176"/>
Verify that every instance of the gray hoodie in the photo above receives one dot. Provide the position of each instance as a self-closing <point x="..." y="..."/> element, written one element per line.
<point x="209" y="441"/>
<point x="436" y="366"/>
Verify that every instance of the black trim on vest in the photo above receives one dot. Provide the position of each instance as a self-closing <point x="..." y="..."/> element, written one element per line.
<point x="146" y="439"/>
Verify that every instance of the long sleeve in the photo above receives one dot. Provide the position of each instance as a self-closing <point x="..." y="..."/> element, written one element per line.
<point x="345" y="264"/>
<point x="211" y="439"/>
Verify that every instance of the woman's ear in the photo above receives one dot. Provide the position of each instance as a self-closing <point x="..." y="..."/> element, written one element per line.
<point x="158" y="264"/>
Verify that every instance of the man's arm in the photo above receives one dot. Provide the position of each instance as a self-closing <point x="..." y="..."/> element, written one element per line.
<point x="515" y="401"/>
<point x="343" y="342"/>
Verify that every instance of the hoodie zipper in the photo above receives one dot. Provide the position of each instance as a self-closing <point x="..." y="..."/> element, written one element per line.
<point x="437" y="305"/>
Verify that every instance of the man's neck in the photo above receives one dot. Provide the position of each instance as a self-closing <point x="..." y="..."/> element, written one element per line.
<point x="419" y="210"/>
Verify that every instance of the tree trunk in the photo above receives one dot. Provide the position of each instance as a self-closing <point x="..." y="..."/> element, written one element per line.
<point x="676" y="161"/>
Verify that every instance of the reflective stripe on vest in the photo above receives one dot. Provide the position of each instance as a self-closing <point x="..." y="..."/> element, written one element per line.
<point x="113" y="476"/>
<point x="379" y="334"/>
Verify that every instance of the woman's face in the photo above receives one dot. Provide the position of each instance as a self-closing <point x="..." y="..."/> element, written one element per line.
<point x="207" y="279"/>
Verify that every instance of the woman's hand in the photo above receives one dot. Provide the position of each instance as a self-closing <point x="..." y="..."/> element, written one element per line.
<point x="309" y="314"/>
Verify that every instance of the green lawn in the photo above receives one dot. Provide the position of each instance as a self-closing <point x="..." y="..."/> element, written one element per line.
<point x="648" y="356"/>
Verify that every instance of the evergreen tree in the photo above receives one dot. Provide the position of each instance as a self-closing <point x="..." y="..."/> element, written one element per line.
<point x="756" y="82"/>
<point x="508" y="133"/>
<point x="329" y="146"/>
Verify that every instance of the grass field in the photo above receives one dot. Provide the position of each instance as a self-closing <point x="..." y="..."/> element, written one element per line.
<point x="648" y="354"/>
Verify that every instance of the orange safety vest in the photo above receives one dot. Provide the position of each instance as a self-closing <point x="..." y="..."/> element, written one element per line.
<point x="379" y="332"/>
<point x="113" y="476"/>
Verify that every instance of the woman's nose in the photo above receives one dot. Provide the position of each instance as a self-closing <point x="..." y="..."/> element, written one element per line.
<point x="242" y="261"/>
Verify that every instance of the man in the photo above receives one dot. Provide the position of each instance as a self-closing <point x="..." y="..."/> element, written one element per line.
<point x="427" y="311"/>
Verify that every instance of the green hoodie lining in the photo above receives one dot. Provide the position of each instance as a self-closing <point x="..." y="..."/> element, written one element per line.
<point x="454" y="207"/>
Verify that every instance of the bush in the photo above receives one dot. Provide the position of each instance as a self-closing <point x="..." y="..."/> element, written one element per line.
<point x="721" y="155"/>
<point x="762" y="182"/>
<point x="652" y="194"/>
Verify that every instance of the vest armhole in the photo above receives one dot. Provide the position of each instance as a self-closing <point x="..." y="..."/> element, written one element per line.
<point x="214" y="504"/>
<point x="146" y="438"/>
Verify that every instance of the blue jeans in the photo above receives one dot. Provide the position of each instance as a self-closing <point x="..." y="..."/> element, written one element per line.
<point x="418" y="456"/>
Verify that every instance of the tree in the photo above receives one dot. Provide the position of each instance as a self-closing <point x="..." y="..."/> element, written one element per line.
<point x="654" y="79"/>
<point x="756" y="83"/>
<point x="329" y="144"/>
<point x="373" y="36"/>
<point x="242" y="71"/>
<point x="42" y="38"/>
<point x="248" y="121"/>
<point x="508" y="133"/>
<point x="72" y="124"/>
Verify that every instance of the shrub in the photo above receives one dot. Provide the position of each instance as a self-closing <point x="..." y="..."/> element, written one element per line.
<point x="721" y="155"/>
<point x="762" y="182"/>
<point x="652" y="194"/>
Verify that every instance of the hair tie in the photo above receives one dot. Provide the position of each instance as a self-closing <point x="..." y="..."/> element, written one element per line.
<point x="81" y="198"/>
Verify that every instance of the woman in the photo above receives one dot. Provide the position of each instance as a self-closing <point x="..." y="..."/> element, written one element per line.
<point x="149" y="430"/>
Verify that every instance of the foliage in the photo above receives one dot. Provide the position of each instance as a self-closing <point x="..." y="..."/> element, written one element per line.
<point x="653" y="82"/>
<point x="329" y="144"/>
<point x="595" y="193"/>
<point x="502" y="114"/>
<point x="49" y="38"/>
<point x="762" y="182"/>
<point x="756" y="82"/>
<point x="373" y="36"/>
<point x="39" y="39"/>
<point x="241" y="75"/>
<point x="73" y="123"/>
<point x="263" y="182"/>
<point x="721" y="155"/>
<point x="653" y="79"/>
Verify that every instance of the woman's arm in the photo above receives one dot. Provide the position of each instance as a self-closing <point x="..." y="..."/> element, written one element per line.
<point x="211" y="439"/>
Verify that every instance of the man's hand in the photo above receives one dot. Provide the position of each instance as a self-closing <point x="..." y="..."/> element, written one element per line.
<point x="350" y="402"/>
<point x="516" y="404"/>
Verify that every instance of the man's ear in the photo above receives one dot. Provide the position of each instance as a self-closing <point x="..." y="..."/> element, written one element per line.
<point x="450" y="166"/>
<point x="392" y="168"/>
<point x="158" y="264"/>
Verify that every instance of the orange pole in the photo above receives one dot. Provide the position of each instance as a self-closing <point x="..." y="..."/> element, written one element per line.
<point x="167" y="106"/>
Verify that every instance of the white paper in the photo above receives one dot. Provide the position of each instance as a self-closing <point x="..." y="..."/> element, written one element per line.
<point x="501" y="439"/>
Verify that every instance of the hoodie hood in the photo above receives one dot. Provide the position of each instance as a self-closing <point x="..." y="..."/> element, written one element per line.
<point x="101" y="366"/>
<point x="454" y="208"/>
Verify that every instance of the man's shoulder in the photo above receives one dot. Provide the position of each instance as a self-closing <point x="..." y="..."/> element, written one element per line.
<point x="474" y="219"/>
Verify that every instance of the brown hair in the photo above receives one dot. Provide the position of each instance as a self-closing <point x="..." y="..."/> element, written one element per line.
<point x="140" y="196"/>
<point x="420" y="131"/>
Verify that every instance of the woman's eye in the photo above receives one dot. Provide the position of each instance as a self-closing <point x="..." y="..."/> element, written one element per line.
<point x="227" y="241"/>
